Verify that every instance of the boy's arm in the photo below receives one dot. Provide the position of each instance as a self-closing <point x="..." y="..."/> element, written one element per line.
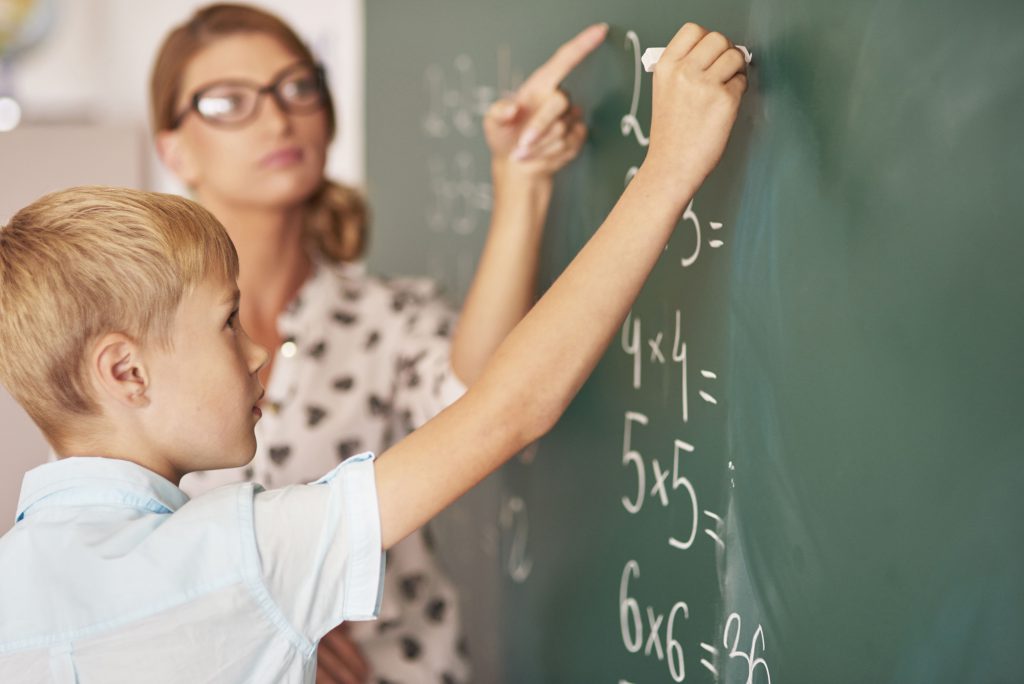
<point x="538" y="369"/>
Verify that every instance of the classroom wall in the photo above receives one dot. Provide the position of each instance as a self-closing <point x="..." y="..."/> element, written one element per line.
<point x="83" y="95"/>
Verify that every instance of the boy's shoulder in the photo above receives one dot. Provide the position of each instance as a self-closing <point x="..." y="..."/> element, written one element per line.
<point x="106" y="549"/>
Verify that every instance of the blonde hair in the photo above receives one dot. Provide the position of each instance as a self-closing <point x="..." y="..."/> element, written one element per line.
<point x="337" y="218"/>
<point x="84" y="262"/>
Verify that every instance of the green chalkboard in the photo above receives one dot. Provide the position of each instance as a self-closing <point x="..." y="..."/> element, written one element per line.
<point x="803" y="461"/>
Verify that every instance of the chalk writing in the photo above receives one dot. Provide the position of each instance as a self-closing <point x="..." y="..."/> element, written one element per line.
<point x="631" y="624"/>
<point x="655" y="354"/>
<point x="513" y="518"/>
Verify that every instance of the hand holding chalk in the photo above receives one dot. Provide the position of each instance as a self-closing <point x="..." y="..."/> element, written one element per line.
<point x="697" y="92"/>
<point x="652" y="55"/>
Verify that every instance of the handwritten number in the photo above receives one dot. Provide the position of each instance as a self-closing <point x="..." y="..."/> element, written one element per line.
<point x="752" y="662"/>
<point x="629" y="123"/>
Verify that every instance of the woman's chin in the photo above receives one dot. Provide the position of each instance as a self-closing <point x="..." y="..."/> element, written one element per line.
<point x="282" y="193"/>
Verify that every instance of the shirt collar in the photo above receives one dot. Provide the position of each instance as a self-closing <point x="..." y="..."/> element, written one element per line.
<point x="91" y="480"/>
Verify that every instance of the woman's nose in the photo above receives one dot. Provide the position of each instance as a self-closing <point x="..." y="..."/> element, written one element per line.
<point x="273" y="114"/>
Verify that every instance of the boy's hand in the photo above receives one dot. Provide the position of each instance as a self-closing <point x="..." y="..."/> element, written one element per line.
<point x="538" y="131"/>
<point x="339" y="660"/>
<point x="698" y="84"/>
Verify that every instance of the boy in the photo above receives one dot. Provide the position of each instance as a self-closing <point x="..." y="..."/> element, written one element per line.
<point x="119" y="335"/>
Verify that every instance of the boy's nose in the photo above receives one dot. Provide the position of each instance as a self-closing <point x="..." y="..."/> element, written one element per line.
<point x="258" y="356"/>
<point x="264" y="357"/>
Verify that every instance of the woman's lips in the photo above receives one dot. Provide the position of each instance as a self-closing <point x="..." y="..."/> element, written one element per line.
<point x="286" y="156"/>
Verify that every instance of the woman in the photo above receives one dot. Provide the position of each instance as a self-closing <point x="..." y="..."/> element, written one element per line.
<point x="242" y="115"/>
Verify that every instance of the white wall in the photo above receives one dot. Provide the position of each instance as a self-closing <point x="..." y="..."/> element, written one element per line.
<point x="84" y="96"/>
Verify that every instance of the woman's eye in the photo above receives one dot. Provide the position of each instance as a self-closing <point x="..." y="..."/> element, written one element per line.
<point x="300" y="88"/>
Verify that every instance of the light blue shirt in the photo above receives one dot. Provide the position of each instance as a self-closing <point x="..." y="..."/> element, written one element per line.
<point x="111" y="574"/>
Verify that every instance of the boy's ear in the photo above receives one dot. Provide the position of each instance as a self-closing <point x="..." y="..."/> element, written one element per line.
<point x="119" y="371"/>
<point x="174" y="154"/>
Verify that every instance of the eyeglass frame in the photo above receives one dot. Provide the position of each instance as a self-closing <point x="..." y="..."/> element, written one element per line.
<point x="319" y="74"/>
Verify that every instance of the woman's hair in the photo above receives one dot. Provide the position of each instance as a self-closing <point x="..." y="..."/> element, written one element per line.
<point x="83" y="262"/>
<point x="337" y="218"/>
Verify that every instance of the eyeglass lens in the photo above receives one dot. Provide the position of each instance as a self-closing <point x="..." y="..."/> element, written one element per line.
<point x="299" y="91"/>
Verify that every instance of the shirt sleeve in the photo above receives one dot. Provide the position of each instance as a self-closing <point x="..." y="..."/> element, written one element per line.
<point x="426" y="382"/>
<point x="320" y="548"/>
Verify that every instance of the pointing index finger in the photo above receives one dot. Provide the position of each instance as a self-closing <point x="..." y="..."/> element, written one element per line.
<point x="549" y="75"/>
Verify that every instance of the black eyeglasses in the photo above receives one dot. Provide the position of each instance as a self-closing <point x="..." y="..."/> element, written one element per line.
<point x="299" y="89"/>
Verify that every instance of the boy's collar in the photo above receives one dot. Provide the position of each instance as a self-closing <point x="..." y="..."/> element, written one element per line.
<point x="85" y="480"/>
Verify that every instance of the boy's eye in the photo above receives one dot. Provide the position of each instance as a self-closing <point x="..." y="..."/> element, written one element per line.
<point x="232" y="319"/>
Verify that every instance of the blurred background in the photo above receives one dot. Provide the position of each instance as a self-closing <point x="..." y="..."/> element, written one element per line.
<point x="73" y="110"/>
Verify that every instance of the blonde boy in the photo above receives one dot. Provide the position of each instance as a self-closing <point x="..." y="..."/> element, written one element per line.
<point x="119" y="335"/>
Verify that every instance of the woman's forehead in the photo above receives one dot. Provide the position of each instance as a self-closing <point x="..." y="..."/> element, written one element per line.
<point x="256" y="57"/>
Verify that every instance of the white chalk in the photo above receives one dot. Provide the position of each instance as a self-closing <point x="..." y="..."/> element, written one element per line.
<point x="652" y="55"/>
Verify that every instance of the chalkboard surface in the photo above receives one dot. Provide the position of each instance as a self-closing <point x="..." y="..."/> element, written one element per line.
<point x="804" y="459"/>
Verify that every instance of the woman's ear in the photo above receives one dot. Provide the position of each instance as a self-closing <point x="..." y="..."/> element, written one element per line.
<point x="174" y="153"/>
<point x="119" y="372"/>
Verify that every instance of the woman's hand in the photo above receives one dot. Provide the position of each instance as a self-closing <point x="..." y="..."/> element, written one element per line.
<point x="531" y="135"/>
<point x="339" y="660"/>
<point x="537" y="131"/>
<point x="698" y="83"/>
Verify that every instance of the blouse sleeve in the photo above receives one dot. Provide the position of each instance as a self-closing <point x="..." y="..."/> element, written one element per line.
<point x="425" y="380"/>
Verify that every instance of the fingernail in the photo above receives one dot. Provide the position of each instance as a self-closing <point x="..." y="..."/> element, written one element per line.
<point x="528" y="138"/>
<point x="520" y="153"/>
<point x="509" y="110"/>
